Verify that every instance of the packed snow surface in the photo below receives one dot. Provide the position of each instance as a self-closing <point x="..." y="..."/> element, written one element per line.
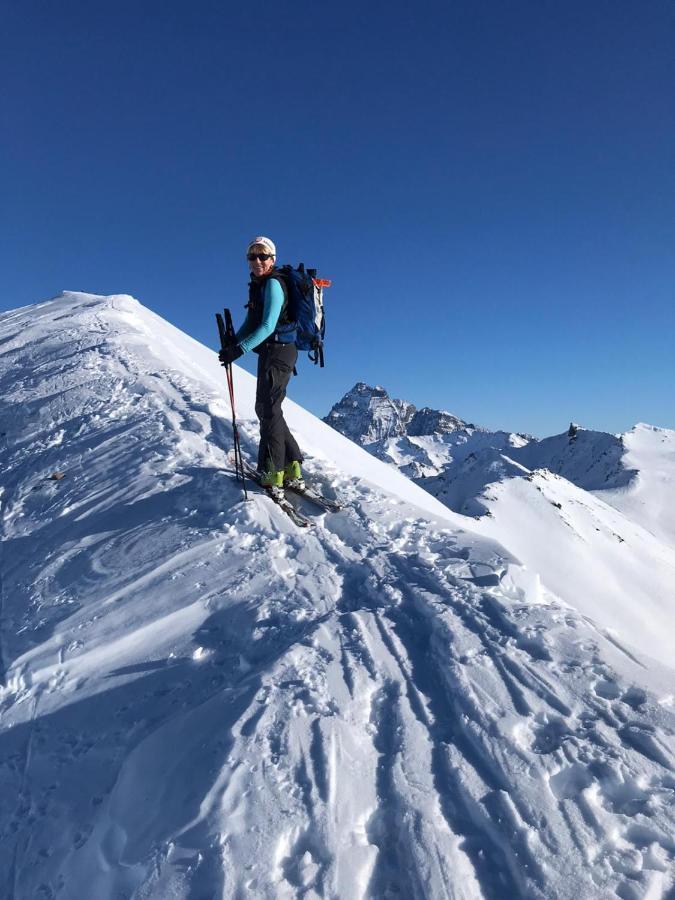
<point x="199" y="700"/>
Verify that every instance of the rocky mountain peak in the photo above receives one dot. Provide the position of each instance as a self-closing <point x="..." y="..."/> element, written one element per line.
<point x="367" y="414"/>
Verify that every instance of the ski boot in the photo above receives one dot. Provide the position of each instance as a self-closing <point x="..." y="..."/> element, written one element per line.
<point x="293" y="479"/>
<point x="273" y="482"/>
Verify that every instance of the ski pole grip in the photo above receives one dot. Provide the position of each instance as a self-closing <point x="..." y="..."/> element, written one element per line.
<point x="221" y="331"/>
<point x="229" y="326"/>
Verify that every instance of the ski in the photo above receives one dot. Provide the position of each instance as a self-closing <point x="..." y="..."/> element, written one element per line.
<point x="315" y="497"/>
<point x="292" y="513"/>
<point x="309" y="492"/>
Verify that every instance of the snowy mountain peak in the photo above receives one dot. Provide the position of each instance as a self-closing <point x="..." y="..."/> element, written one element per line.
<point x="645" y="426"/>
<point x="82" y="299"/>
<point x="593" y="460"/>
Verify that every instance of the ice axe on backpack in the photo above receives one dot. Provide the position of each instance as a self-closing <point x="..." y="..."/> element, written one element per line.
<point x="226" y="332"/>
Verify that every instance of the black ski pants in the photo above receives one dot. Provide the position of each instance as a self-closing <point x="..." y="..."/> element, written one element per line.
<point x="277" y="445"/>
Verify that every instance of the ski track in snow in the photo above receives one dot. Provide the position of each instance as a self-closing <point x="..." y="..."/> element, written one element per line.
<point x="201" y="701"/>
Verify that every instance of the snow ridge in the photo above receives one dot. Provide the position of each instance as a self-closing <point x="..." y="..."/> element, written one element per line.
<point x="200" y="700"/>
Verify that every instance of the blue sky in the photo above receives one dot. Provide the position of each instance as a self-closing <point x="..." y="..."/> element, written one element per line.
<point x="490" y="185"/>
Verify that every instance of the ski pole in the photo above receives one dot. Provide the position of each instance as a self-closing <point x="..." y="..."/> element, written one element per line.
<point x="226" y="332"/>
<point x="229" y="331"/>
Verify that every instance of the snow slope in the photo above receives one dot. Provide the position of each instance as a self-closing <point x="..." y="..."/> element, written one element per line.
<point x="590" y="554"/>
<point x="591" y="513"/>
<point x="649" y="498"/>
<point x="634" y="472"/>
<point x="200" y="701"/>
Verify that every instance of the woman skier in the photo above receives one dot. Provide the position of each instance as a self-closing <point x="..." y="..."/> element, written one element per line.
<point x="269" y="331"/>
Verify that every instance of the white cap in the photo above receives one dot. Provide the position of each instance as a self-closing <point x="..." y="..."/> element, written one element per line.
<point x="264" y="242"/>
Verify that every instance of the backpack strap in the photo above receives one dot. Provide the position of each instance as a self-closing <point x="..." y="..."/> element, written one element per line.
<point x="316" y="356"/>
<point x="278" y="276"/>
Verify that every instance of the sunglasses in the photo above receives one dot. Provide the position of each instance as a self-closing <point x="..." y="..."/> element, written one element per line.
<point x="261" y="256"/>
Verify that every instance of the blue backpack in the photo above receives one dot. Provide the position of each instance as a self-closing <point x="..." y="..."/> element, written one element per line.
<point x="305" y="307"/>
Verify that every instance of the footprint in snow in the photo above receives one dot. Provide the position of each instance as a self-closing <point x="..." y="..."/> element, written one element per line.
<point x="608" y="690"/>
<point x="634" y="697"/>
<point x="548" y="737"/>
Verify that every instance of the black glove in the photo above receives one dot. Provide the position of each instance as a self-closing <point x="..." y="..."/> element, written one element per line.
<point x="228" y="354"/>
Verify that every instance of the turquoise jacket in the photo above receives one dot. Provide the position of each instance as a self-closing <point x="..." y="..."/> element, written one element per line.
<point x="248" y="337"/>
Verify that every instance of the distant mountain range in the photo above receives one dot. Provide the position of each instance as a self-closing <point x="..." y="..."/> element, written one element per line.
<point x="593" y="513"/>
<point x="455" y="460"/>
